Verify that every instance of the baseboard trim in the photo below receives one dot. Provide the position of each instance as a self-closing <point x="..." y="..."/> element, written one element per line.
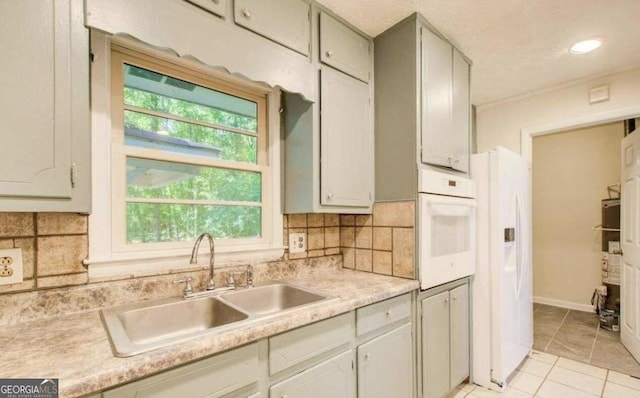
<point x="570" y="305"/>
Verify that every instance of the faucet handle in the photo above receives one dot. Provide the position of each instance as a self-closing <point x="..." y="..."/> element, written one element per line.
<point x="188" y="289"/>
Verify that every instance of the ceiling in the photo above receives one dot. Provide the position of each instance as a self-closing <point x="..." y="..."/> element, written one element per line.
<point x="517" y="46"/>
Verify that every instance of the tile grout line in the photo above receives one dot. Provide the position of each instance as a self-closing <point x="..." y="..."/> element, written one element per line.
<point x="593" y="345"/>
<point x="606" y="380"/>
<point x="557" y="330"/>
<point x="548" y="373"/>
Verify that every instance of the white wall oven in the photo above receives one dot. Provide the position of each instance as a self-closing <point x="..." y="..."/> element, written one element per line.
<point x="446" y="228"/>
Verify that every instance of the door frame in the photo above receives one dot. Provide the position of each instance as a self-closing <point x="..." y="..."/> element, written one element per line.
<point x="615" y="115"/>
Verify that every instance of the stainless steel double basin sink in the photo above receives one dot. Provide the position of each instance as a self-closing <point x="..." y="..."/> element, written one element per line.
<point x="145" y="326"/>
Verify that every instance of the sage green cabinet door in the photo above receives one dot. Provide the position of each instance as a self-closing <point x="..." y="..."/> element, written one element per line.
<point x="385" y="365"/>
<point x="43" y="102"/>
<point x="344" y="49"/>
<point x="459" y="334"/>
<point x="218" y="7"/>
<point x="437" y="82"/>
<point x="461" y="113"/>
<point x="446" y="105"/>
<point x="284" y="21"/>
<point x="333" y="378"/>
<point x="346" y="141"/>
<point x="435" y="346"/>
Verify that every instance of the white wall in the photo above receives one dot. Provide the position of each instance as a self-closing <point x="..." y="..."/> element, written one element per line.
<point x="502" y="123"/>
<point x="571" y="173"/>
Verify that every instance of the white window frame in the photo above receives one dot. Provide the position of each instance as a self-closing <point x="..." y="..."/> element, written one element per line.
<point x="109" y="257"/>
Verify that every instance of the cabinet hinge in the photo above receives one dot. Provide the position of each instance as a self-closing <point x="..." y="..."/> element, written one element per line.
<point x="353" y="365"/>
<point x="92" y="57"/>
<point x="74" y="175"/>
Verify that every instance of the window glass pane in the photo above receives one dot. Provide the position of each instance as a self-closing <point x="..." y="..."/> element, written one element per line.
<point x="158" y="92"/>
<point x="168" y="180"/>
<point x="170" y="135"/>
<point x="153" y="222"/>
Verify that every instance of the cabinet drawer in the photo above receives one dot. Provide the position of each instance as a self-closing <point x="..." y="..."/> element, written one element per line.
<point x="217" y="7"/>
<point x="296" y="346"/>
<point x="380" y="314"/>
<point x="344" y="49"/>
<point x="283" y="21"/>
<point x="332" y="378"/>
<point x="212" y="377"/>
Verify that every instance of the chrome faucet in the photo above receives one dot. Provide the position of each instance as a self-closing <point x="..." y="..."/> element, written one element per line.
<point x="194" y="257"/>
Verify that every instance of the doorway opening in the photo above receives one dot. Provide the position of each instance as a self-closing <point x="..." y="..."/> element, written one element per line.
<point x="574" y="169"/>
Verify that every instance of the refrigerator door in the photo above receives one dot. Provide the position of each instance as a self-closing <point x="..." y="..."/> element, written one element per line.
<point x="502" y="286"/>
<point x="511" y="262"/>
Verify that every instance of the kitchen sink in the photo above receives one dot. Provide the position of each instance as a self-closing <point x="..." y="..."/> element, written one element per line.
<point x="145" y="326"/>
<point x="148" y="325"/>
<point x="272" y="298"/>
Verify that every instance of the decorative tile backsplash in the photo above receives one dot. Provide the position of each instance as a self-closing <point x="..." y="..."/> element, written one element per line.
<point x="54" y="244"/>
<point x="322" y="232"/>
<point x="53" y="247"/>
<point x="383" y="243"/>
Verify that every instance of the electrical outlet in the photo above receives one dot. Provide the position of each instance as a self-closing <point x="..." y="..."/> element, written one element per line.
<point x="297" y="242"/>
<point x="10" y="266"/>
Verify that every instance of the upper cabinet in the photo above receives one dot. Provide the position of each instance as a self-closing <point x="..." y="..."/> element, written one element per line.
<point x="445" y="104"/>
<point x="287" y="22"/>
<point x="328" y="145"/>
<point x="346" y="141"/>
<point x="44" y="107"/>
<point x="344" y="49"/>
<point x="422" y="108"/>
<point x="217" y="7"/>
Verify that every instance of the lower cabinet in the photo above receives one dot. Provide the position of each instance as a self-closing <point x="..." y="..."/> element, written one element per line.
<point x="331" y="378"/>
<point x="385" y="365"/>
<point x="445" y="339"/>
<point x="366" y="353"/>
<point x="212" y="377"/>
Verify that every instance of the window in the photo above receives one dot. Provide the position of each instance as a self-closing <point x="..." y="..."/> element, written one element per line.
<point x="189" y="153"/>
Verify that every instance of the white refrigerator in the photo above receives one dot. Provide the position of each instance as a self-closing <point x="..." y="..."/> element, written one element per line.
<point x="502" y="310"/>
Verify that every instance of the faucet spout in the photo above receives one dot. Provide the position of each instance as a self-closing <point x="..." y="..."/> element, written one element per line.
<point x="194" y="257"/>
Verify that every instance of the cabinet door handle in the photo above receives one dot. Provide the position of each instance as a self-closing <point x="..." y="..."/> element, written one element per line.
<point x="388" y="313"/>
<point x="246" y="13"/>
<point x="329" y="53"/>
<point x="446" y="300"/>
<point x="367" y="356"/>
<point x="330" y="196"/>
<point x="455" y="297"/>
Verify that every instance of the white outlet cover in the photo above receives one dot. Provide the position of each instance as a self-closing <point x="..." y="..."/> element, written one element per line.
<point x="16" y="266"/>
<point x="297" y="242"/>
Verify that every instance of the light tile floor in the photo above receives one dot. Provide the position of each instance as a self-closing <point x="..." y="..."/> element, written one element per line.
<point x="545" y="375"/>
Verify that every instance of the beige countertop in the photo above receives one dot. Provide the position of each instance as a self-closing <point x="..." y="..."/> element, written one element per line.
<point x="75" y="348"/>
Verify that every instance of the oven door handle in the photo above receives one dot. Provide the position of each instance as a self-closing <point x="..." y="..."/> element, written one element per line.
<point x="451" y="209"/>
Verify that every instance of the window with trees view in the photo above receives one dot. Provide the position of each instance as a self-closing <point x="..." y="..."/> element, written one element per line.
<point x="189" y="154"/>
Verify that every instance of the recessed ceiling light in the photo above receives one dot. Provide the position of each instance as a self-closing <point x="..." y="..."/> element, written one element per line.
<point x="585" y="46"/>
